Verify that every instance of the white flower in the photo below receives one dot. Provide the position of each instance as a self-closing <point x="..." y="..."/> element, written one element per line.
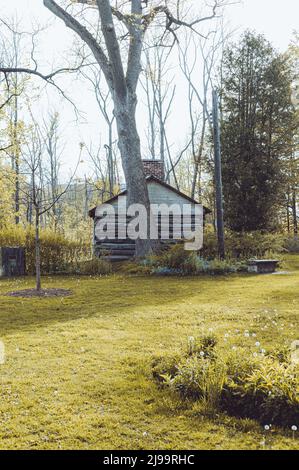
<point x="263" y="351"/>
<point x="257" y="344"/>
<point x="201" y="353"/>
<point x="253" y="335"/>
<point x="246" y="335"/>
<point x="294" y="428"/>
<point x="267" y="427"/>
<point x="144" y="434"/>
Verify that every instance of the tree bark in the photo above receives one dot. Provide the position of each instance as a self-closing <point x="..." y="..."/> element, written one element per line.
<point x="294" y="210"/>
<point x="129" y="146"/>
<point x="37" y="250"/>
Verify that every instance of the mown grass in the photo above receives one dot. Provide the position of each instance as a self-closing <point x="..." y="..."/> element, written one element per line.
<point x="77" y="370"/>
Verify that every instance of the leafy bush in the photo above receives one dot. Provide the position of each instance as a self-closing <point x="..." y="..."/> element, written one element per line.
<point x="131" y="267"/>
<point x="177" y="261"/>
<point x="165" y="366"/>
<point x="190" y="379"/>
<point x="243" y="245"/>
<point x="264" y="388"/>
<point x="95" y="266"/>
<point x="291" y="244"/>
<point x="58" y="254"/>
<point x="267" y="392"/>
<point x="202" y="347"/>
<point x="191" y="374"/>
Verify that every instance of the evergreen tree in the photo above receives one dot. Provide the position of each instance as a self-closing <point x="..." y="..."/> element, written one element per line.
<point x="257" y="133"/>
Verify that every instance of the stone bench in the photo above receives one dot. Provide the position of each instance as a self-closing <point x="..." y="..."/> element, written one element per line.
<point x="262" y="266"/>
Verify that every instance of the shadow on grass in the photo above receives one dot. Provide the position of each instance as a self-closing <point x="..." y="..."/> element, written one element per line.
<point x="105" y="297"/>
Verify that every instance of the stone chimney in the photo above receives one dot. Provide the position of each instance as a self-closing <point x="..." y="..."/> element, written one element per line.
<point x="154" y="168"/>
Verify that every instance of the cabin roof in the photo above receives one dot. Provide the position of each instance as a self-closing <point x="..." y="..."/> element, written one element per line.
<point x="149" y="179"/>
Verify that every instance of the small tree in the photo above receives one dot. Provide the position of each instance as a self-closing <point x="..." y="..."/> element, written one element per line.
<point x="34" y="190"/>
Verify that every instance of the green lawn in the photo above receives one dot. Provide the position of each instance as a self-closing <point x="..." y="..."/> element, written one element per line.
<point x="77" y="371"/>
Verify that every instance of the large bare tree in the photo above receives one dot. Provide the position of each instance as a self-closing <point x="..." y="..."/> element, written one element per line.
<point x="117" y="46"/>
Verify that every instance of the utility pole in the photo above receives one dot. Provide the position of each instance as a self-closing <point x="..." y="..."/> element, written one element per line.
<point x="218" y="176"/>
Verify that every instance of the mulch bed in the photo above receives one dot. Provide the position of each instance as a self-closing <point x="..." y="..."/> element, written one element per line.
<point x="42" y="293"/>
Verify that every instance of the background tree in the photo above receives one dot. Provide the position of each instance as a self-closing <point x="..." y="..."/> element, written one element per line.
<point x="257" y="133"/>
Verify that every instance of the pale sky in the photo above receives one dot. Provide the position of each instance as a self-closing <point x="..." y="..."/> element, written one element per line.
<point x="277" y="19"/>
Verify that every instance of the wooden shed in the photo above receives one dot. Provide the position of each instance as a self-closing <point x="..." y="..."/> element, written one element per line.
<point x="159" y="192"/>
<point x="12" y="261"/>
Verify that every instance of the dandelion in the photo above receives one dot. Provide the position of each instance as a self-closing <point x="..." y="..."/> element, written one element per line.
<point x="294" y="429"/>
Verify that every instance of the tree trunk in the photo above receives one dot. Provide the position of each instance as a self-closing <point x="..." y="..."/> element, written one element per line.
<point x="129" y="146"/>
<point x="288" y="213"/>
<point x="294" y="210"/>
<point x="37" y="251"/>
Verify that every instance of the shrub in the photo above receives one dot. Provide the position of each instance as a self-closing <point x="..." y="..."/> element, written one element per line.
<point x="243" y="245"/>
<point x="264" y="388"/>
<point x="58" y="254"/>
<point x="165" y="366"/>
<point x="175" y="259"/>
<point x="202" y="347"/>
<point x="217" y="266"/>
<point x="291" y="244"/>
<point x="190" y="379"/>
<point x="192" y="374"/>
<point x="95" y="266"/>
<point x="131" y="267"/>
<point x="268" y="393"/>
<point x="282" y="354"/>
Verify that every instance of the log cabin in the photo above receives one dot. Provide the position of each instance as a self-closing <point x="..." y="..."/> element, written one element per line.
<point x="160" y="192"/>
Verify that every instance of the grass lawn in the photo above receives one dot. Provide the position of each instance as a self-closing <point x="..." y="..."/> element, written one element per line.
<point x="77" y="370"/>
